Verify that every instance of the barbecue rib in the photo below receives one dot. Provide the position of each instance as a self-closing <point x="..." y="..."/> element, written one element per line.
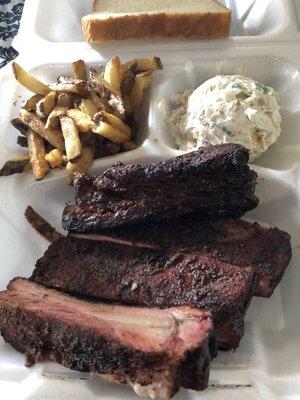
<point x="214" y="181"/>
<point x="144" y="277"/>
<point x="266" y="250"/>
<point x="155" y="351"/>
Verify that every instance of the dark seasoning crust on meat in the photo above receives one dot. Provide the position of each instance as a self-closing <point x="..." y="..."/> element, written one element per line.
<point x="215" y="181"/>
<point x="185" y="256"/>
<point x="241" y="243"/>
<point x="143" y="277"/>
<point x="47" y="325"/>
<point x="216" y="265"/>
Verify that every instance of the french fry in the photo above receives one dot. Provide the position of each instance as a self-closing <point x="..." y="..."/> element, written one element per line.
<point x="129" y="77"/>
<point x="109" y="95"/>
<point x="105" y="147"/>
<point x="49" y="102"/>
<point x="33" y="122"/>
<point x="46" y="105"/>
<point x="53" y="118"/>
<point x="64" y="100"/>
<point x="76" y="86"/>
<point x="22" y="141"/>
<point x="40" y="113"/>
<point x="99" y="103"/>
<point x="71" y="136"/>
<point x="111" y="133"/>
<point x="139" y="88"/>
<point x="76" y="103"/>
<point x="130" y="65"/>
<point x="66" y="79"/>
<point x="79" y="70"/>
<point x="88" y="107"/>
<point x="97" y="76"/>
<point x="82" y="120"/>
<point x="54" y="158"/>
<point x="41" y="225"/>
<point x="127" y="146"/>
<point x="145" y="64"/>
<point x="126" y="88"/>
<point x="31" y="103"/>
<point x="18" y="124"/>
<point x="29" y="81"/>
<point x="15" y="165"/>
<point x="88" y="139"/>
<point x="114" y="121"/>
<point x="81" y="165"/>
<point x="28" y="167"/>
<point x="128" y="105"/>
<point x="37" y="154"/>
<point x="113" y="73"/>
<point x="82" y="115"/>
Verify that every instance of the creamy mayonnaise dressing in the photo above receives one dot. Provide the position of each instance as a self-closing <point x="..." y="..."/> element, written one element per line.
<point x="227" y="109"/>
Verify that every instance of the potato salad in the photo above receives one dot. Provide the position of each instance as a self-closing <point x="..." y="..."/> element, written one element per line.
<point x="227" y="109"/>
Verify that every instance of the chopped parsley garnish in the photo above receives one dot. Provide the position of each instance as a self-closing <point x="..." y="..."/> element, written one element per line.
<point x="237" y="85"/>
<point x="226" y="130"/>
<point x="263" y="88"/>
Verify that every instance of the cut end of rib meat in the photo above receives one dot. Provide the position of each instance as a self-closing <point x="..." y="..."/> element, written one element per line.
<point x="143" y="277"/>
<point x="150" y="349"/>
<point x="214" y="181"/>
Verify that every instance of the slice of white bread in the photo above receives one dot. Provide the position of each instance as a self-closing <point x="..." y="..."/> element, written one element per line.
<point x="141" y="19"/>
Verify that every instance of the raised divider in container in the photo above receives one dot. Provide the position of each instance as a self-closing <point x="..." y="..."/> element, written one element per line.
<point x="278" y="69"/>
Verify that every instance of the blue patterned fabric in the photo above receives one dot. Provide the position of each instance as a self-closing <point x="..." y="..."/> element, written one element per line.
<point x="10" y="15"/>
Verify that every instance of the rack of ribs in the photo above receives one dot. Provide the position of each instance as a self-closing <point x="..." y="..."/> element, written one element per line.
<point x="212" y="265"/>
<point x="266" y="250"/>
<point x="142" y="277"/>
<point x="214" y="181"/>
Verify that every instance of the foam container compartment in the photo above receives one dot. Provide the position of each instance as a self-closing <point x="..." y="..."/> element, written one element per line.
<point x="63" y="19"/>
<point x="252" y="21"/>
<point x="266" y="366"/>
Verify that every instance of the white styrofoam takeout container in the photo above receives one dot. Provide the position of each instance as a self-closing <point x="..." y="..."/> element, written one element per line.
<point x="267" y="364"/>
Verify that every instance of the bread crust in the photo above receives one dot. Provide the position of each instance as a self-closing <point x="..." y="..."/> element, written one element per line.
<point x="162" y="25"/>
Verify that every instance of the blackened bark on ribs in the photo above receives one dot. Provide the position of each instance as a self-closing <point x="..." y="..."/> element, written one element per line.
<point x="131" y="345"/>
<point x="214" y="181"/>
<point x="266" y="250"/>
<point x="144" y="277"/>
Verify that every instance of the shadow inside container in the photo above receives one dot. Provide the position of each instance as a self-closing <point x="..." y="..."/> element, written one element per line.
<point x="282" y="344"/>
<point x="284" y="154"/>
<point x="278" y="204"/>
<point x="111" y="390"/>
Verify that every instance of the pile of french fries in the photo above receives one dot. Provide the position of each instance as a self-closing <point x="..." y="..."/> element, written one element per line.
<point x="80" y="117"/>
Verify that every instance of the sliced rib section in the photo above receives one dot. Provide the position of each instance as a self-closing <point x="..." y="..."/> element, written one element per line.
<point x="150" y="349"/>
<point x="143" y="277"/>
<point x="266" y="250"/>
